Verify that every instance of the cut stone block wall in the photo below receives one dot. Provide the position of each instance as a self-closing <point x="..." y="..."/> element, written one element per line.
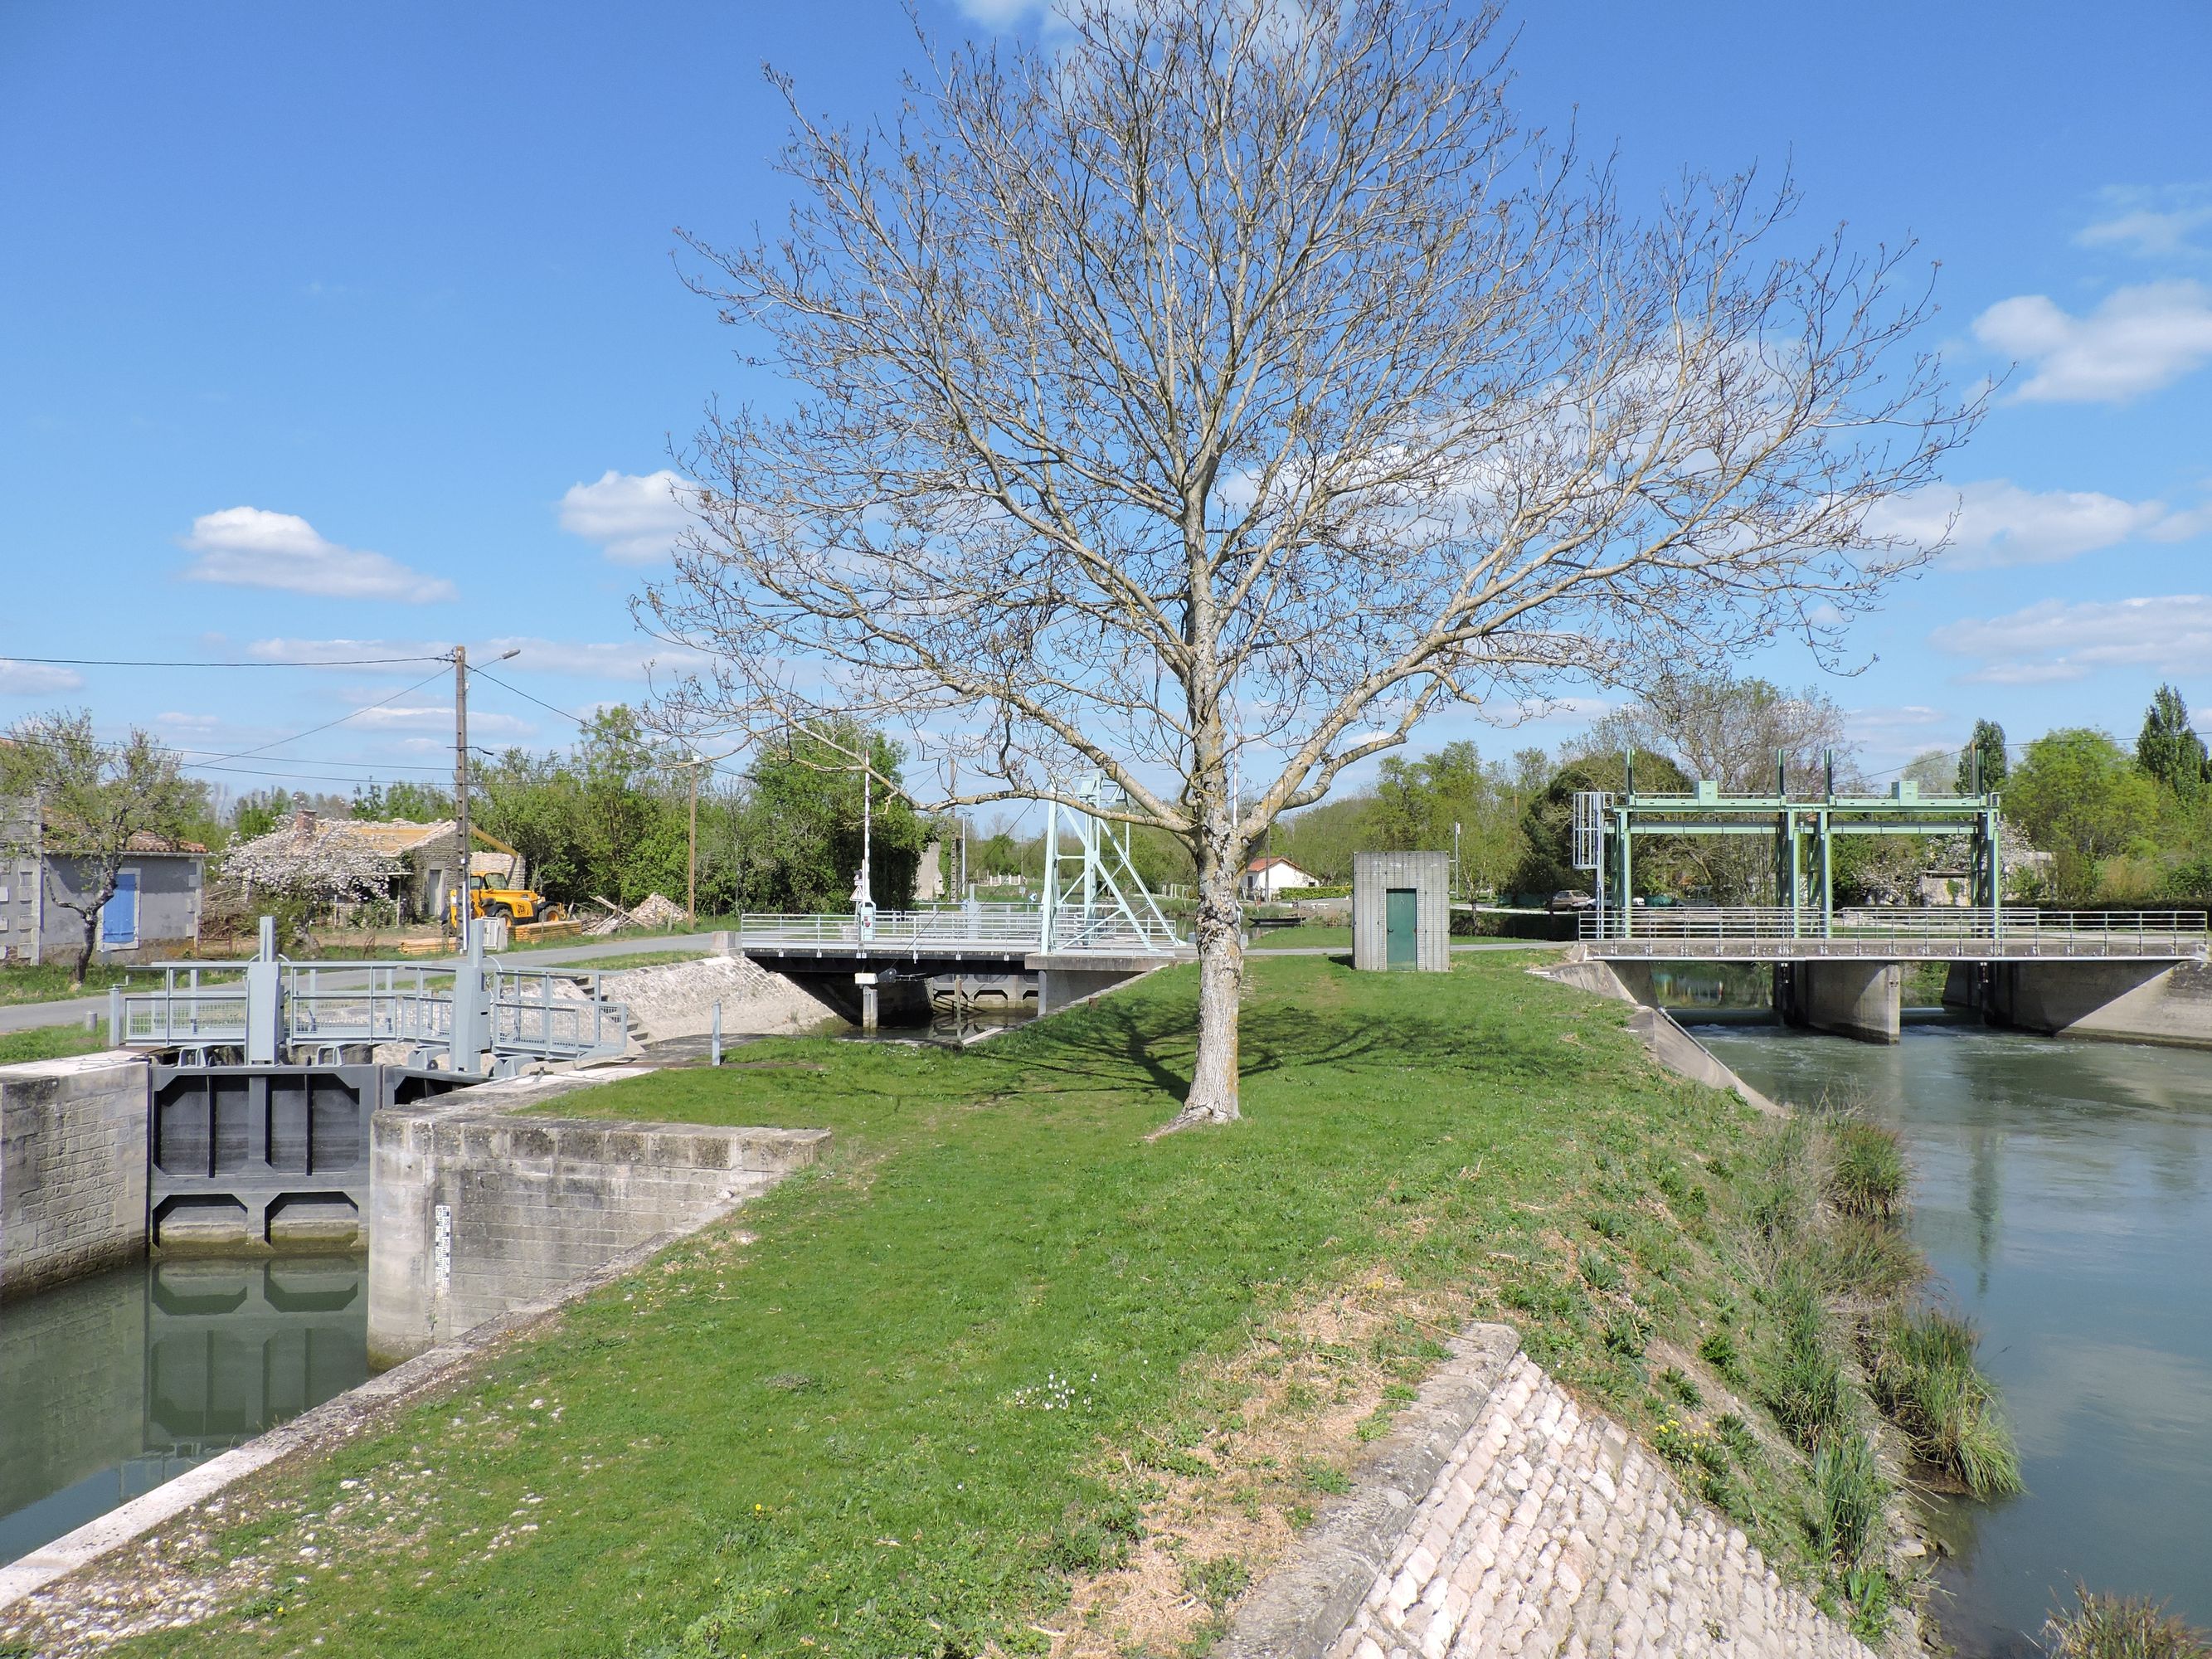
<point x="475" y="1211"/>
<point x="72" y="1168"/>
<point x="1498" y="1518"/>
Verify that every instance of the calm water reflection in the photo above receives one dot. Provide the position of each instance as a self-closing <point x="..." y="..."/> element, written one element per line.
<point x="2063" y="1192"/>
<point x="112" y="1384"/>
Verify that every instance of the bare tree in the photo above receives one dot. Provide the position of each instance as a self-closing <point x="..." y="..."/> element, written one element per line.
<point x="1204" y="402"/>
<point x="94" y="804"/>
<point x="1713" y="724"/>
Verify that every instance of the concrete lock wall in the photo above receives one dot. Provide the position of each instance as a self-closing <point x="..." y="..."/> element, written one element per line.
<point x="474" y="1212"/>
<point x="1852" y="998"/>
<point x="1373" y="876"/>
<point x="72" y="1168"/>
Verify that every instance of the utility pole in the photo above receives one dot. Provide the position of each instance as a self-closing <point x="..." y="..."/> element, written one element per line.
<point x="461" y="780"/>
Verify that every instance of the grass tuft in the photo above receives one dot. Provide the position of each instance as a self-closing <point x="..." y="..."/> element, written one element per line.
<point x="2121" y="1627"/>
<point x="1851" y="1499"/>
<point x="1867" y="1176"/>
<point x="1921" y="1372"/>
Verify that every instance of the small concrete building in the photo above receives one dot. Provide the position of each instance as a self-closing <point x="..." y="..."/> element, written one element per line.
<point x="1401" y="911"/>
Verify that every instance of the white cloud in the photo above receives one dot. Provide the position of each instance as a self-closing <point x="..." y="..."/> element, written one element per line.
<point x="2139" y="339"/>
<point x="196" y="725"/>
<point x="2152" y="223"/>
<point x="402" y="717"/>
<point x="36" y="679"/>
<point x="2061" y="639"/>
<point x="635" y="518"/>
<point x="611" y="660"/>
<point x="1903" y="729"/>
<point x="251" y="547"/>
<point x="1999" y="523"/>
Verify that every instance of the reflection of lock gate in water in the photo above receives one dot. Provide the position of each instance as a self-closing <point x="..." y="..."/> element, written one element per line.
<point x="112" y="1384"/>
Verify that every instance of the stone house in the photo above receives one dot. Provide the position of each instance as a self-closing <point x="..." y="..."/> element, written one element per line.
<point x="155" y="911"/>
<point x="428" y="864"/>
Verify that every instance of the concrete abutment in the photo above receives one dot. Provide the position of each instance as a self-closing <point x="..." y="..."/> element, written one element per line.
<point x="476" y="1210"/>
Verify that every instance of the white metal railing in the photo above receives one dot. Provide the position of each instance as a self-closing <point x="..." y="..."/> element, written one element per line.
<point x="1010" y="926"/>
<point x="1931" y="924"/>
<point x="531" y="1014"/>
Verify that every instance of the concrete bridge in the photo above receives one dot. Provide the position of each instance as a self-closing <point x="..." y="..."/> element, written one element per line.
<point x="2136" y="974"/>
<point x="894" y="963"/>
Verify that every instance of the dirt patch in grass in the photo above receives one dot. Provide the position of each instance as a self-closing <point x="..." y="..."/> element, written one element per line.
<point x="1288" y="1415"/>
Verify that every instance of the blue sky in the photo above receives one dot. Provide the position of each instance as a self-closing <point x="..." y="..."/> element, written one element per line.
<point x="354" y="332"/>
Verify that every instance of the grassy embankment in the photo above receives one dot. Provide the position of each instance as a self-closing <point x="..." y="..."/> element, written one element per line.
<point x="1004" y="1344"/>
<point x="49" y="1042"/>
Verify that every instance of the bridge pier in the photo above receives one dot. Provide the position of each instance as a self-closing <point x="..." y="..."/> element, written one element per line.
<point x="1852" y="998"/>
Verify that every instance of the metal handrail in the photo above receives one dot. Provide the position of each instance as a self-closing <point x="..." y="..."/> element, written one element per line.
<point x="536" y="1013"/>
<point x="1877" y="921"/>
<point x="985" y="925"/>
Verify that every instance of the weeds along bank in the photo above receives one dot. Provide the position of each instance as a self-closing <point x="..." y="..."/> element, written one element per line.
<point x="1007" y="1376"/>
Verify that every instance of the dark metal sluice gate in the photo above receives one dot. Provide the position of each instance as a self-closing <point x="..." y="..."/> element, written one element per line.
<point x="268" y="1157"/>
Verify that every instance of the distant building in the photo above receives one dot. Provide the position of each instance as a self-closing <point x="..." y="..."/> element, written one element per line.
<point x="429" y="867"/>
<point x="1264" y="879"/>
<point x="154" y="911"/>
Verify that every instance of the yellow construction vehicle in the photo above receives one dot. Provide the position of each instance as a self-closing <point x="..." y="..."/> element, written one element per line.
<point x="490" y="897"/>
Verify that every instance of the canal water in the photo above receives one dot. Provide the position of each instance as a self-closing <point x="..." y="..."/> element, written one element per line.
<point x="2062" y="1191"/>
<point x="113" y="1383"/>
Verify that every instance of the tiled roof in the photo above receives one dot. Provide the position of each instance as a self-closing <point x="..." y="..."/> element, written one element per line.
<point x="394" y="836"/>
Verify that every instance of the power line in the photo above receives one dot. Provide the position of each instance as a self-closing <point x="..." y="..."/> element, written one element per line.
<point x="364" y="709"/>
<point x="304" y="662"/>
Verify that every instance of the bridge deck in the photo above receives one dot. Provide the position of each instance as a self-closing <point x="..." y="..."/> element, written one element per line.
<point x="999" y="932"/>
<point x="1747" y="934"/>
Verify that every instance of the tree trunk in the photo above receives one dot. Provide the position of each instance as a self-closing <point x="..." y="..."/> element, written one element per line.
<point x="1220" y="980"/>
<point x="84" y="955"/>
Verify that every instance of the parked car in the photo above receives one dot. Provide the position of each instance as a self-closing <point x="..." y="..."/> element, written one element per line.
<point x="1568" y="899"/>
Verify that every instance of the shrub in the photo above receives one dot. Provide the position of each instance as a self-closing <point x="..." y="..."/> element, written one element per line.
<point x="1867" y="1175"/>
<point x="1678" y="1383"/>
<point x="2122" y="1627"/>
<point x="1851" y="1496"/>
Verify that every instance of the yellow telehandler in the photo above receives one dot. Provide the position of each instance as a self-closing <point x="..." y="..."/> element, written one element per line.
<point x="488" y="897"/>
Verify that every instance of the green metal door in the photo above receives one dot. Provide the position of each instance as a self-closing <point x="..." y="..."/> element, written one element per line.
<point x="1400" y="918"/>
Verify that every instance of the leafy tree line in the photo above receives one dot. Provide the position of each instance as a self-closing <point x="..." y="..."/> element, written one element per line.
<point x="612" y="819"/>
<point x="2087" y="820"/>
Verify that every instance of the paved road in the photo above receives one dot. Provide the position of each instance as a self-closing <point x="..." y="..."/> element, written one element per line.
<point x="27" y="1015"/>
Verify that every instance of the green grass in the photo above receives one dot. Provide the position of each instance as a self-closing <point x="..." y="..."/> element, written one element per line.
<point x="953" y="1365"/>
<point x="49" y="1042"/>
<point x="49" y="981"/>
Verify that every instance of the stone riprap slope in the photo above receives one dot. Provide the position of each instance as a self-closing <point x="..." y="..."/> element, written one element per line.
<point x="1500" y="1519"/>
<point x="678" y="999"/>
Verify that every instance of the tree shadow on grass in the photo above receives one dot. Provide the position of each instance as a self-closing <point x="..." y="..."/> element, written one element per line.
<point x="1149" y="1044"/>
